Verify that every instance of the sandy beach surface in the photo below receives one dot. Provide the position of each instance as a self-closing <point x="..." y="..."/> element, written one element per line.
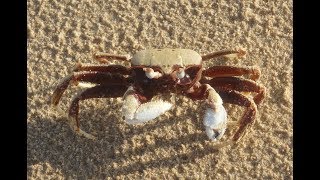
<point x="64" y="32"/>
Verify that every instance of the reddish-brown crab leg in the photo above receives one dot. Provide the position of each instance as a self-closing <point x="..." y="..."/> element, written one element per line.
<point x="249" y="115"/>
<point x="106" y="57"/>
<point x="103" y="68"/>
<point x="238" y="84"/>
<point x="217" y="54"/>
<point x="99" y="91"/>
<point x="227" y="71"/>
<point x="90" y="77"/>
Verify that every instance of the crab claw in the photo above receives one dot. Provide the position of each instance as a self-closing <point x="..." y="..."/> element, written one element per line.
<point x="135" y="112"/>
<point x="149" y="111"/>
<point x="215" y="122"/>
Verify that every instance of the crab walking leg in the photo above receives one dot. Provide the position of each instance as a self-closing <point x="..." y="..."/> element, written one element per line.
<point x="99" y="91"/>
<point x="102" y="68"/>
<point x="239" y="84"/>
<point x="137" y="110"/>
<point x="249" y="115"/>
<point x="227" y="71"/>
<point x="106" y="57"/>
<point x="226" y="53"/>
<point x="88" y="77"/>
<point x="215" y="118"/>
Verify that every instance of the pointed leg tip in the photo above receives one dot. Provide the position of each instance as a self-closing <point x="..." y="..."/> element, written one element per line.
<point x="241" y="52"/>
<point x="79" y="131"/>
<point x="56" y="108"/>
<point x="53" y="99"/>
<point x="78" y="66"/>
<point x="86" y="135"/>
<point x="53" y="106"/>
<point x="54" y="103"/>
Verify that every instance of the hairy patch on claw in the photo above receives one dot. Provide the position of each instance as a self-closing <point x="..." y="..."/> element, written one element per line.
<point x="215" y="122"/>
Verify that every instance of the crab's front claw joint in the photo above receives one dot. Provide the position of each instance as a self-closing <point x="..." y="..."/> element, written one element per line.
<point x="215" y="121"/>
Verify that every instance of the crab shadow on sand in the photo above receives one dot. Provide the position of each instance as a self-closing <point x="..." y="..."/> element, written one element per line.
<point x="52" y="141"/>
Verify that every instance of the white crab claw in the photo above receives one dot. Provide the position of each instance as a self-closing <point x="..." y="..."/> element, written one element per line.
<point x="215" y="122"/>
<point x="136" y="113"/>
<point x="151" y="110"/>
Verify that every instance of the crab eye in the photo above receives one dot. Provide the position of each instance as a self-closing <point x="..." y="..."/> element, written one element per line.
<point x="192" y="71"/>
<point x="180" y="73"/>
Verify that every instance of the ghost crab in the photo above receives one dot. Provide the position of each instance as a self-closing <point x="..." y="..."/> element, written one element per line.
<point x="158" y="71"/>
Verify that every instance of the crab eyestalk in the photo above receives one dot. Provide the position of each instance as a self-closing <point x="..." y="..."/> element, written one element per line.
<point x="180" y="73"/>
<point x="181" y="77"/>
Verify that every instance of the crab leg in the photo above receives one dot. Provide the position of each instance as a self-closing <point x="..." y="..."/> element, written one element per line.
<point x="137" y="109"/>
<point x="228" y="53"/>
<point x="99" y="91"/>
<point x="102" y="68"/>
<point x="215" y="118"/>
<point x="238" y="84"/>
<point x="106" y="57"/>
<point x="89" y="77"/>
<point x="227" y="71"/>
<point x="249" y="115"/>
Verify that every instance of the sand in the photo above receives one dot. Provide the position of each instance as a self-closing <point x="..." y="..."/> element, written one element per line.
<point x="62" y="33"/>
